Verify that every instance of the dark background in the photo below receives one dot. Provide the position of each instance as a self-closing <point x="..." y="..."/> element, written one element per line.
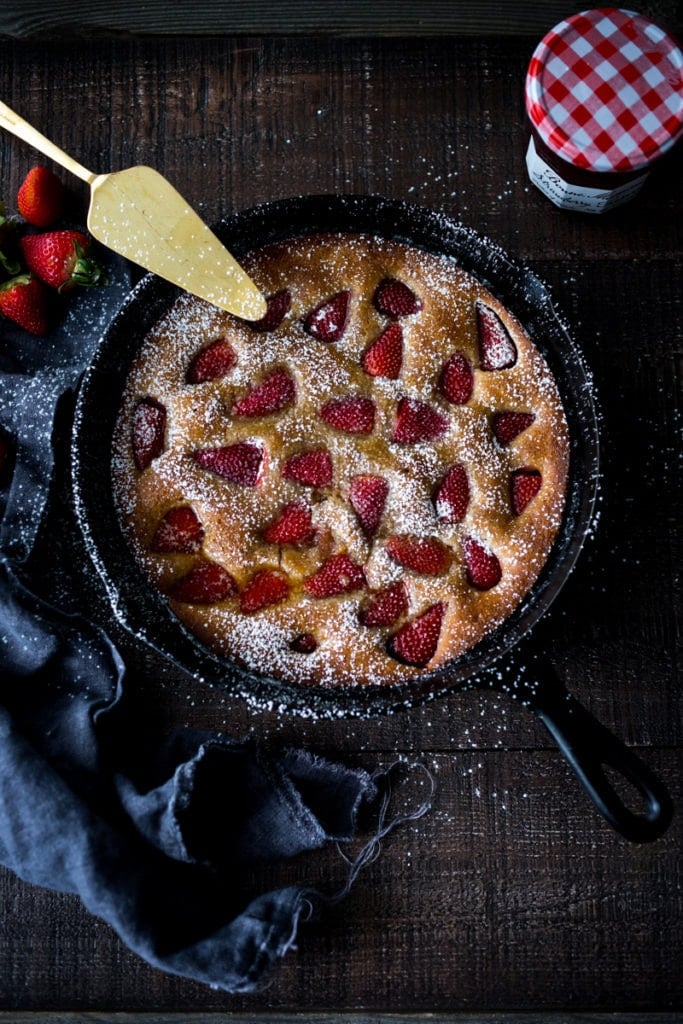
<point x="512" y="894"/>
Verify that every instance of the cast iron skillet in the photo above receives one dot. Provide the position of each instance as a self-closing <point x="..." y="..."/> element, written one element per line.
<point x="589" y="747"/>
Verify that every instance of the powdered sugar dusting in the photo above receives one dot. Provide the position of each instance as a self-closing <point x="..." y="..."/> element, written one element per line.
<point x="233" y="517"/>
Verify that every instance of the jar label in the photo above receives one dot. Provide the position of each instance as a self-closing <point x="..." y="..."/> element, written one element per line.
<point x="577" y="197"/>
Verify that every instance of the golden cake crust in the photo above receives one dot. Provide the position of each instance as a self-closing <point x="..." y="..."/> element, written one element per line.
<point x="234" y="516"/>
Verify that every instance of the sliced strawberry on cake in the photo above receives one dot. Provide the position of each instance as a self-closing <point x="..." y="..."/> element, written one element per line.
<point x="149" y="429"/>
<point x="327" y="321"/>
<point x="265" y="588"/>
<point x="212" y="362"/>
<point x="242" y="463"/>
<point x="481" y="565"/>
<point x="385" y="606"/>
<point x="311" y="468"/>
<point x="303" y="643"/>
<point x="497" y="350"/>
<point x="425" y="555"/>
<point x="274" y="393"/>
<point x="352" y="414"/>
<point x="416" y="642"/>
<point x="395" y="299"/>
<point x="368" y="495"/>
<point x="339" y="574"/>
<point x="417" y="421"/>
<point x="384" y="356"/>
<point x="508" y="425"/>
<point x="277" y="308"/>
<point x="525" y="483"/>
<point x="291" y="525"/>
<point x="207" y="583"/>
<point x="457" y="379"/>
<point x="179" y="531"/>
<point x="453" y="495"/>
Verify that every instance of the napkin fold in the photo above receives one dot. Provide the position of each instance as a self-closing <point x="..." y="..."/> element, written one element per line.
<point x="157" y="837"/>
<point x="163" y="863"/>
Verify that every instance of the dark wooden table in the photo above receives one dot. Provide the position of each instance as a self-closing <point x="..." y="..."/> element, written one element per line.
<point x="512" y="894"/>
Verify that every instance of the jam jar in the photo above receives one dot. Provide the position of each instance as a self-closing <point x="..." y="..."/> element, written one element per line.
<point x="604" y="95"/>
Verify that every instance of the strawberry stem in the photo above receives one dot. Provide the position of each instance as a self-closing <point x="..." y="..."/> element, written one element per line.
<point x="14" y="282"/>
<point x="87" y="273"/>
<point x="9" y="265"/>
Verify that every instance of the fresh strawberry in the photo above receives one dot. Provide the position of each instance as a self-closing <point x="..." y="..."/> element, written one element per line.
<point x="416" y="421"/>
<point x="525" y="483"/>
<point x="149" y="428"/>
<point x="278" y="305"/>
<point x="242" y="463"/>
<point x="415" y="643"/>
<point x="453" y="495"/>
<point x="179" y="530"/>
<point x="507" y="425"/>
<point x="59" y="258"/>
<point x="368" y="495"/>
<point x="276" y="390"/>
<point x="207" y="583"/>
<point x="457" y="379"/>
<point x="312" y="468"/>
<point x="352" y="414"/>
<point x="212" y="362"/>
<point x="497" y="350"/>
<point x="327" y="321"/>
<point x="395" y="299"/>
<point x="337" y="575"/>
<point x="304" y="643"/>
<point x="24" y="300"/>
<point x="385" y="606"/>
<point x="426" y="555"/>
<point x="384" y="355"/>
<point x="292" y="525"/>
<point x="481" y="565"/>
<point x="266" y="587"/>
<point x="40" y="199"/>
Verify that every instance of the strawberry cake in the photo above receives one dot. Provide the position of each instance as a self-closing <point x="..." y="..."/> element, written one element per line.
<point x="359" y="487"/>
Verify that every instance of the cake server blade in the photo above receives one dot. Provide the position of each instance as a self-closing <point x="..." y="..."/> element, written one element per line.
<point x="137" y="213"/>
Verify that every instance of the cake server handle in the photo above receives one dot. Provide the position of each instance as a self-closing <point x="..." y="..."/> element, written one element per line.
<point x="15" y="124"/>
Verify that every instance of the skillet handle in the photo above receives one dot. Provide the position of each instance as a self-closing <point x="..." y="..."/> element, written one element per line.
<point x="590" y="748"/>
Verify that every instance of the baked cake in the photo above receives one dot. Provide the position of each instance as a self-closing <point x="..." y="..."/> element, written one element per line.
<point x="355" y="489"/>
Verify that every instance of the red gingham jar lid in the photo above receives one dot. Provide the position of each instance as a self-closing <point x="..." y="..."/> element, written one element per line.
<point x="604" y="90"/>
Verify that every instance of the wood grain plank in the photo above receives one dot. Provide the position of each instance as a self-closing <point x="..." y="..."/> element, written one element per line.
<point x="295" y="120"/>
<point x="255" y="120"/>
<point x="510" y="893"/>
<point x="354" y="17"/>
<point x="259" y="119"/>
<point x="337" y="1018"/>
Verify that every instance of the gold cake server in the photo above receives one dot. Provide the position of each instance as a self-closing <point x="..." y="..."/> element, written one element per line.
<point x="139" y="214"/>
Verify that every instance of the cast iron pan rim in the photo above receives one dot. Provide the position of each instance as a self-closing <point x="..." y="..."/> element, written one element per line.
<point x="144" y="613"/>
